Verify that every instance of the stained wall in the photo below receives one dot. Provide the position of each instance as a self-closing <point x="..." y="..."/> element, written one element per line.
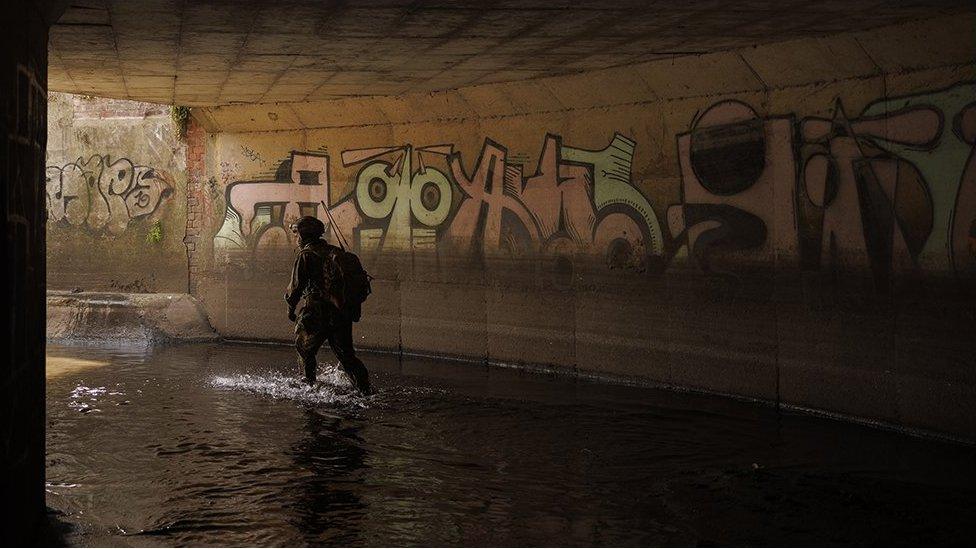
<point x="116" y="198"/>
<point x="793" y="223"/>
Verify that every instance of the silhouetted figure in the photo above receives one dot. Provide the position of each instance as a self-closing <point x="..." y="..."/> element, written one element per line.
<point x="317" y="277"/>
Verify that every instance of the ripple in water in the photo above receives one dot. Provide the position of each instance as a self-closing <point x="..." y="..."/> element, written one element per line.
<point x="225" y="446"/>
<point x="331" y="386"/>
<point x="85" y="399"/>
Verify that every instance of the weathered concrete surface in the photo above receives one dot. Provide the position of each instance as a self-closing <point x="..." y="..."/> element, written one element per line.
<point x="485" y="213"/>
<point x="116" y="197"/>
<point x="252" y="51"/>
<point x="798" y="340"/>
<point x="134" y="318"/>
<point x="789" y="69"/>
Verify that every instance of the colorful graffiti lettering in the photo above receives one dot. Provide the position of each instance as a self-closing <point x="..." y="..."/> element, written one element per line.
<point x="104" y="194"/>
<point x="892" y="189"/>
<point x="737" y="174"/>
<point x="402" y="207"/>
<point x="258" y="212"/>
<point x="577" y="202"/>
<point x="887" y="191"/>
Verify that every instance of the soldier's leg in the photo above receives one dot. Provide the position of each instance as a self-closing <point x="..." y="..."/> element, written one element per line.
<point x="340" y="339"/>
<point x="307" y="344"/>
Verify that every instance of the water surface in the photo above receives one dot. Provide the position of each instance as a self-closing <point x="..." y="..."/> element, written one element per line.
<point x="221" y="445"/>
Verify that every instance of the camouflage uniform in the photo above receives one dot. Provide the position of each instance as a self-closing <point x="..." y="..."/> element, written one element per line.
<point x="316" y="277"/>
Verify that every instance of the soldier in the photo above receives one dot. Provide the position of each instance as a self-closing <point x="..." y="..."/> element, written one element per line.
<point x="318" y="278"/>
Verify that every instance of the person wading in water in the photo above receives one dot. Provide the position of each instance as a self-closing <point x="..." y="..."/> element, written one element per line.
<point x="326" y="316"/>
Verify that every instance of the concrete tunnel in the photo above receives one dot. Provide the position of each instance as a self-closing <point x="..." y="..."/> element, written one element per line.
<point x="773" y="201"/>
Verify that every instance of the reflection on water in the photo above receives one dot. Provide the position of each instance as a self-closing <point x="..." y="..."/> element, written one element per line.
<point x="331" y="458"/>
<point x="223" y="445"/>
<point x="61" y="365"/>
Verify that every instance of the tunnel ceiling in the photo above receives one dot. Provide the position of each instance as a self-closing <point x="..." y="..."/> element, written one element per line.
<point x="213" y="53"/>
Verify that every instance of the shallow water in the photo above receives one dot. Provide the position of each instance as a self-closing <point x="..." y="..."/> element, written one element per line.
<point x="221" y="445"/>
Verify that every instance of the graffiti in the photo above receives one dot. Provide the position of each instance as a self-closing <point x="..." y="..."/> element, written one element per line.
<point x="104" y="194"/>
<point x="737" y="174"/>
<point x="889" y="190"/>
<point x="963" y="238"/>
<point x="258" y="213"/>
<point x="402" y="206"/>
<point x="250" y="154"/>
<point x="874" y="210"/>
<point x="578" y="202"/>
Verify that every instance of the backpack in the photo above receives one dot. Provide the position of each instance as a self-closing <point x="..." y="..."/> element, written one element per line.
<point x="355" y="281"/>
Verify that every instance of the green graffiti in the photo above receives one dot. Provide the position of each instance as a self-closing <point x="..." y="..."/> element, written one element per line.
<point x="940" y="161"/>
<point x="392" y="192"/>
<point x="611" y="183"/>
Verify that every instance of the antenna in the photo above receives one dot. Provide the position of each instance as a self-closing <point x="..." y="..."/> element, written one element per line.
<point x="335" y="226"/>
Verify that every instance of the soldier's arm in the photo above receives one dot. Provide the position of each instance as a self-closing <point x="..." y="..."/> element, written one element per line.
<point x="299" y="279"/>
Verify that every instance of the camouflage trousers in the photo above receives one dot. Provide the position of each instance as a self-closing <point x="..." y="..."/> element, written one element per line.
<point x="315" y="327"/>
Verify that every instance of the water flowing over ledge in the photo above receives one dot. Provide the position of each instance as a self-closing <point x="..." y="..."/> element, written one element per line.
<point x="119" y="318"/>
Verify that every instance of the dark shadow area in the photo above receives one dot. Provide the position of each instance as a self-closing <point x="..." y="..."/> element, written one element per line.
<point x="330" y="458"/>
<point x="54" y="531"/>
<point x="209" y="444"/>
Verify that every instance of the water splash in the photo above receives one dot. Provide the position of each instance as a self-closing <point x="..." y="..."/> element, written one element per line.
<point x="331" y="386"/>
<point x="83" y="391"/>
<point x="84" y="399"/>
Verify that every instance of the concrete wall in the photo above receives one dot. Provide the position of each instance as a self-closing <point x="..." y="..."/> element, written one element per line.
<point x="116" y="196"/>
<point x="794" y="223"/>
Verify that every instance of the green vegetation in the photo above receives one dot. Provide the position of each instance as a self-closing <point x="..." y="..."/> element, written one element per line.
<point x="181" y="117"/>
<point x="155" y="234"/>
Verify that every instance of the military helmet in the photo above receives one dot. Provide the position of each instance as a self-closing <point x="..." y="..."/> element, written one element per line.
<point x="309" y="226"/>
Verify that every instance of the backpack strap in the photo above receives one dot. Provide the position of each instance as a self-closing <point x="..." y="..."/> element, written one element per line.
<point x="330" y="251"/>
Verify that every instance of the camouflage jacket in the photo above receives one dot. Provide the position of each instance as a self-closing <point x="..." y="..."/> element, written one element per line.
<point x="315" y="275"/>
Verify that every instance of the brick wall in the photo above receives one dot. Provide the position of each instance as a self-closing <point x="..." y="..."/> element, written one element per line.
<point x="195" y="150"/>
<point x="90" y="107"/>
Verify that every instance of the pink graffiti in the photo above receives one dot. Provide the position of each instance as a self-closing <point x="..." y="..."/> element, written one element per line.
<point x="487" y="185"/>
<point x="738" y="180"/>
<point x="877" y="211"/>
<point x="282" y="203"/>
<point x="501" y="213"/>
<point x="552" y="212"/>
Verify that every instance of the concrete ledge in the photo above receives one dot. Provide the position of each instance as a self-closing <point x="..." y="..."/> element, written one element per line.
<point x="130" y="318"/>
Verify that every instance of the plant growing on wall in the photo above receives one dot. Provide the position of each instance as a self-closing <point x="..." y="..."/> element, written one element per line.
<point x="155" y="234"/>
<point x="181" y="118"/>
